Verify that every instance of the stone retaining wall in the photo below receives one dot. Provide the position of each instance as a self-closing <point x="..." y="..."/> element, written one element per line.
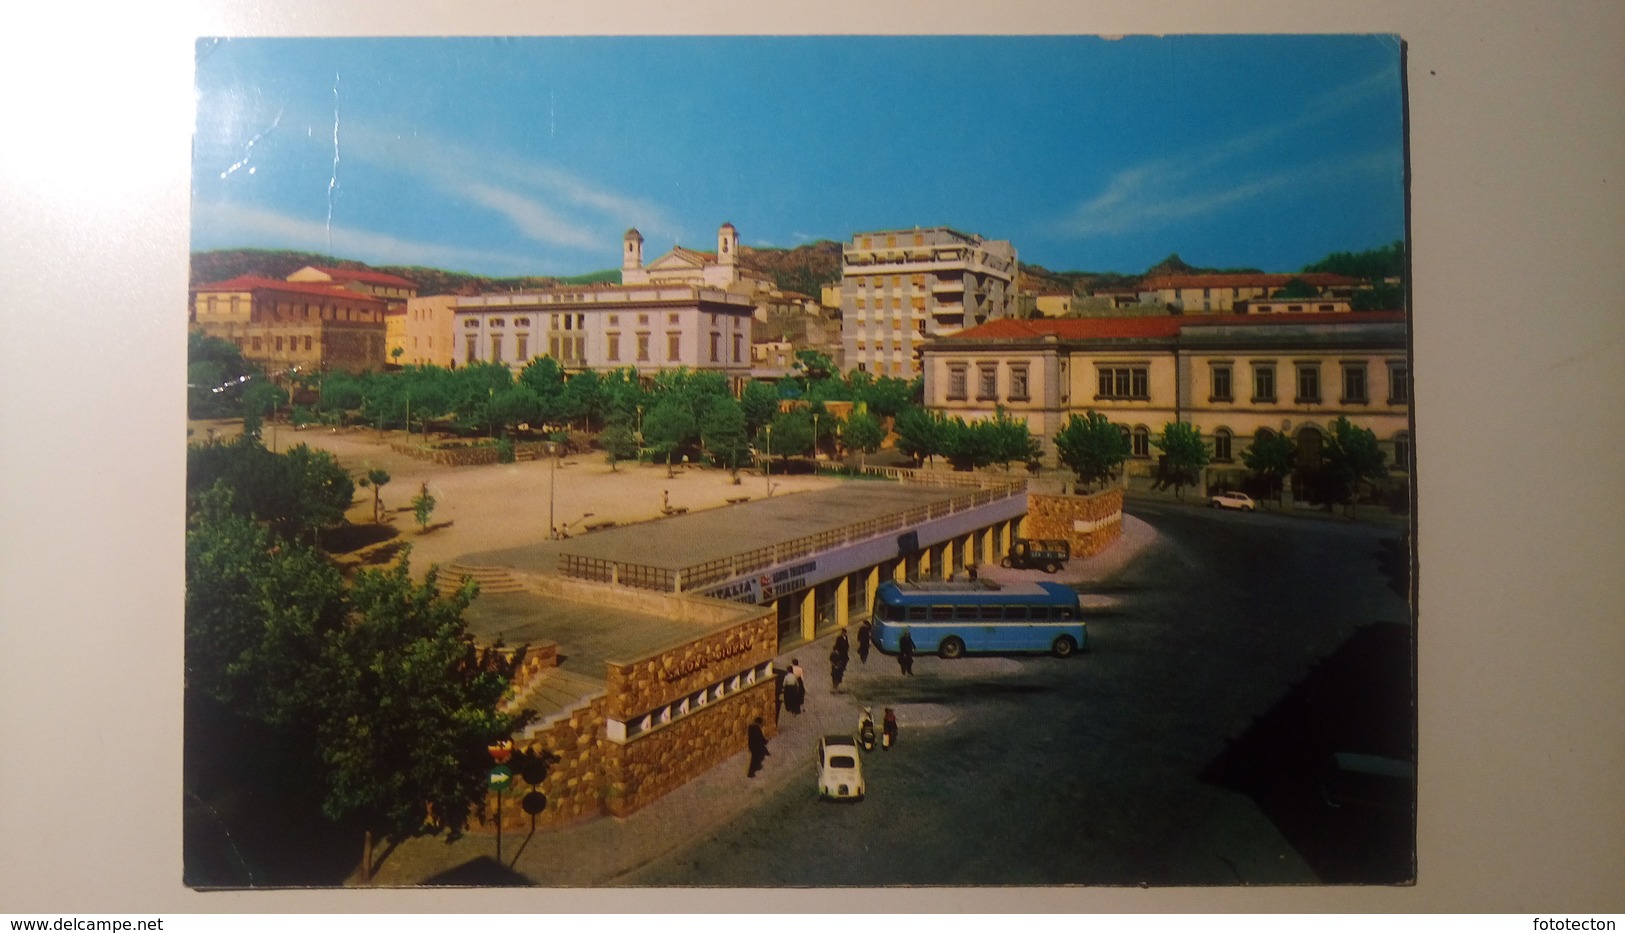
<point x="593" y="775"/>
<point x="471" y="455"/>
<point x="1091" y="523"/>
<point x="641" y="686"/>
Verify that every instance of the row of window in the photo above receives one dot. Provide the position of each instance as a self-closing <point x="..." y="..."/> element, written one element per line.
<point x="987" y="382"/>
<point x="1355" y="383"/>
<point x="255" y="344"/>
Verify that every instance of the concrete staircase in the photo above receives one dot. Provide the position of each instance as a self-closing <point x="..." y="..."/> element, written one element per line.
<point x="490" y="579"/>
<point x="554" y="696"/>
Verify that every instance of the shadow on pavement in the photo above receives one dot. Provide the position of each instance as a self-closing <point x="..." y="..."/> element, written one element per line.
<point x="483" y="872"/>
<point x="1332" y="763"/>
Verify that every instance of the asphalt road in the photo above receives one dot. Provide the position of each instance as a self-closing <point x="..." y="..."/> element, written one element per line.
<point x="1191" y="746"/>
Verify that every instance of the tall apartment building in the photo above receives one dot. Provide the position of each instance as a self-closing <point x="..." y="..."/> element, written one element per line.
<point x="902" y="288"/>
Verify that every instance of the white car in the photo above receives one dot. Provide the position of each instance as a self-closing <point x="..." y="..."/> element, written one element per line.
<point x="1233" y="500"/>
<point x="840" y="768"/>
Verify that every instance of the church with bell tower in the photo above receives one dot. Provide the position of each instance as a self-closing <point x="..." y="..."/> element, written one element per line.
<point x="683" y="266"/>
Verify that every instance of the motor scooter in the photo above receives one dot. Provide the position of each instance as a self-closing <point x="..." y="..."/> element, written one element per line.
<point x="866" y="730"/>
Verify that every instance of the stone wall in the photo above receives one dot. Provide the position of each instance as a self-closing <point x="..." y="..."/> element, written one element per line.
<point x="1092" y="523"/>
<point x="638" y="687"/>
<point x="469" y="454"/>
<point x="657" y="763"/>
<point x="576" y="781"/>
<point x="592" y="775"/>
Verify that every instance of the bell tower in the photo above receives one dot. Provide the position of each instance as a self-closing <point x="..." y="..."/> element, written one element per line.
<point x="727" y="244"/>
<point x="632" y="254"/>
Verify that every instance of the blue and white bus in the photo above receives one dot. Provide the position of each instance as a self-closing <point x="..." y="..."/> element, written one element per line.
<point x="952" y="619"/>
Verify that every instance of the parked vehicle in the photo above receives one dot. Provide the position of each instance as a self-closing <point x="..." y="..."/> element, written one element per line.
<point x="840" y="768"/>
<point x="1233" y="500"/>
<point x="954" y="619"/>
<point x="1045" y="553"/>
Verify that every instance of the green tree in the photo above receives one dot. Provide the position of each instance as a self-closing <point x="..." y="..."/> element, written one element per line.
<point x="215" y="375"/>
<point x="760" y="402"/>
<point x="967" y="445"/>
<point x="256" y="609"/>
<point x="1184" y="454"/>
<point x="1350" y="458"/>
<point x="813" y="366"/>
<point x="376" y="480"/>
<point x="862" y="433"/>
<point x="1092" y="447"/>
<point x="514" y="406"/>
<point x="670" y="424"/>
<point x="583" y="399"/>
<point x="410" y="708"/>
<point x="919" y="434"/>
<point x="617" y="439"/>
<point x="1296" y="288"/>
<point x="792" y="434"/>
<point x="301" y="491"/>
<point x="1009" y="439"/>
<point x="1271" y="458"/>
<point x="722" y="432"/>
<point x="422" y="507"/>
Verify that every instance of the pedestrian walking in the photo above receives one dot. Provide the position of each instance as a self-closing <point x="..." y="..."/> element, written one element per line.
<point x="842" y="645"/>
<point x="888" y="730"/>
<point x="866" y="631"/>
<point x="905" y="653"/>
<point x="801" y="684"/>
<point x="792" y="691"/>
<point x="756" y="739"/>
<point x="837" y="667"/>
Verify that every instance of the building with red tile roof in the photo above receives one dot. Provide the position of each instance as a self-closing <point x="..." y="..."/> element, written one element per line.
<point x="285" y="326"/>
<point x="1232" y="376"/>
<point x="1210" y="293"/>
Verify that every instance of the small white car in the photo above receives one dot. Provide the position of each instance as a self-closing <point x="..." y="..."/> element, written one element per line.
<point x="840" y="768"/>
<point x="1233" y="500"/>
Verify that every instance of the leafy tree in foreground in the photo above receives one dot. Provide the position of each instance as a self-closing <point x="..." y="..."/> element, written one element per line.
<point x="256" y="610"/>
<point x="410" y="709"/>
<point x="1091" y="447"/>
<point x="1184" y="454"/>
<point x="1271" y="458"/>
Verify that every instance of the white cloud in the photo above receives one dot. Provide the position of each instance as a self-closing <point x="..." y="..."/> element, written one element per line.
<point x="1174" y="188"/>
<point x="543" y="202"/>
<point x="216" y="225"/>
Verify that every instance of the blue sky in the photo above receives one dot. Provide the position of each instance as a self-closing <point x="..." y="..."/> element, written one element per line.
<point x="533" y="155"/>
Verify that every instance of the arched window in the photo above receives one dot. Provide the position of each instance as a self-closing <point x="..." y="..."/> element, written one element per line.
<point x="1140" y="442"/>
<point x="1402" y="452"/>
<point x="1221" y="445"/>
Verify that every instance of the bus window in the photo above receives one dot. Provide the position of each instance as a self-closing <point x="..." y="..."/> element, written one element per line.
<point x="1064" y="612"/>
<point x="889" y="612"/>
<point x="991" y="613"/>
<point x="1015" y="613"/>
<point x="917" y="614"/>
<point x="942" y="613"/>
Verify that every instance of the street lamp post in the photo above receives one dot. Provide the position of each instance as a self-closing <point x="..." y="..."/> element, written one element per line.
<point x="552" y="480"/>
<point x="767" y="464"/>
